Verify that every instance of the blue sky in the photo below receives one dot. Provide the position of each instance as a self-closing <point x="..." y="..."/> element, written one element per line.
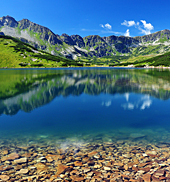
<point x="93" y="17"/>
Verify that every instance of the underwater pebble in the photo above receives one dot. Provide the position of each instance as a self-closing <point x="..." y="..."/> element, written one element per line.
<point x="122" y="161"/>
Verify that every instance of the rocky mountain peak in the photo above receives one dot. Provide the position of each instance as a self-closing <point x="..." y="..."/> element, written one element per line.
<point x="91" y="40"/>
<point x="8" y="21"/>
<point x="67" y="39"/>
<point x="24" y="23"/>
<point x="78" y="40"/>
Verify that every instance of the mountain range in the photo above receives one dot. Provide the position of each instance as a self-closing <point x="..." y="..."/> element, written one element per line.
<point x="92" y="46"/>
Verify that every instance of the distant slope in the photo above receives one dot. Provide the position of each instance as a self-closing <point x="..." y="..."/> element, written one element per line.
<point x="157" y="61"/>
<point x="162" y="60"/>
<point x="16" y="54"/>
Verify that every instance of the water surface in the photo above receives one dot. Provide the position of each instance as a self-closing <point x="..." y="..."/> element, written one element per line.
<point x="86" y="105"/>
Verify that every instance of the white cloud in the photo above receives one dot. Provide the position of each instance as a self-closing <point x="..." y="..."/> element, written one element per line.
<point x="109" y="31"/>
<point x="106" y="26"/>
<point x="128" y="23"/>
<point x="102" y="25"/>
<point x="89" y="30"/>
<point x="145" y="28"/>
<point x="127" y="33"/>
<point x="147" y="25"/>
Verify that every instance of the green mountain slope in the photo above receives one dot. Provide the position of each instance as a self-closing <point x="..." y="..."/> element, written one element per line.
<point x="157" y="61"/>
<point x="16" y="54"/>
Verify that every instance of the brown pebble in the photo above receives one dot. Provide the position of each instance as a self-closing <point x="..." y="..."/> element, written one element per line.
<point x="77" y="178"/>
<point x="159" y="173"/>
<point x="147" y="177"/>
<point x="92" y="153"/>
<point x="22" y="171"/>
<point x="77" y="163"/>
<point x="126" y="167"/>
<point x="61" y="168"/>
<point x="154" y="179"/>
<point x="4" y="177"/>
<point x="5" y="152"/>
<point x="21" y="160"/>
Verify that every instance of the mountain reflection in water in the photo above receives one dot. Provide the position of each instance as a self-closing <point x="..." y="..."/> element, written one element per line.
<point x="29" y="89"/>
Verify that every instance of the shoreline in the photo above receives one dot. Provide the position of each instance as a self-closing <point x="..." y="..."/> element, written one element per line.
<point x="147" y="67"/>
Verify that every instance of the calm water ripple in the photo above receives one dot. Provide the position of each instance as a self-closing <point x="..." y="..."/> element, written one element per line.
<point x="94" y="105"/>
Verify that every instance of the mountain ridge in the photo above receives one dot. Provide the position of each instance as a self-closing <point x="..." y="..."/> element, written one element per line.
<point x="75" y="46"/>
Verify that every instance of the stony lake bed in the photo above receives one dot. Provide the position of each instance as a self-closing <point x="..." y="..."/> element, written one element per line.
<point x="100" y="124"/>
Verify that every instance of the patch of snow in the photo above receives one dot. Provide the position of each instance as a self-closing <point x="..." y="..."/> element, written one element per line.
<point x="80" y="49"/>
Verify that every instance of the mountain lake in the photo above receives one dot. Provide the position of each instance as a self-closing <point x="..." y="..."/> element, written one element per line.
<point x="91" y="120"/>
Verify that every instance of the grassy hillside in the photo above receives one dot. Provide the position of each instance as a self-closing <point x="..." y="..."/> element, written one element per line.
<point x="161" y="60"/>
<point x="16" y="54"/>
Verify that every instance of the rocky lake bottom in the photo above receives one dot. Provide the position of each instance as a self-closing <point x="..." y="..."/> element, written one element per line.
<point x="115" y="156"/>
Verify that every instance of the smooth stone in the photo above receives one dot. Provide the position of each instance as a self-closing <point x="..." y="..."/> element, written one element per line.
<point x="147" y="177"/>
<point x="61" y="168"/>
<point x="76" y="178"/>
<point x="86" y="169"/>
<point x="4" y="177"/>
<point x="154" y="179"/>
<point x="21" y="160"/>
<point x="137" y="135"/>
<point x="107" y="168"/>
<point x="152" y="152"/>
<point x="77" y="163"/>
<point x="41" y="166"/>
<point x="159" y="173"/>
<point x="10" y="157"/>
<point x="22" y="171"/>
<point x="126" y="167"/>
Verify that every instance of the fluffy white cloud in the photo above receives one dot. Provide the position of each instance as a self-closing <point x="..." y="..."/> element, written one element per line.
<point x="147" y="25"/>
<point x="102" y="25"/>
<point x="128" y="23"/>
<point x="127" y="33"/>
<point x="145" y="28"/>
<point x="107" y="26"/>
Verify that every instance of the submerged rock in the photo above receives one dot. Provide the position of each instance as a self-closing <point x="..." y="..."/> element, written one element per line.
<point x="21" y="160"/>
<point x="137" y="135"/>
<point x="23" y="171"/>
<point x="4" y="177"/>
